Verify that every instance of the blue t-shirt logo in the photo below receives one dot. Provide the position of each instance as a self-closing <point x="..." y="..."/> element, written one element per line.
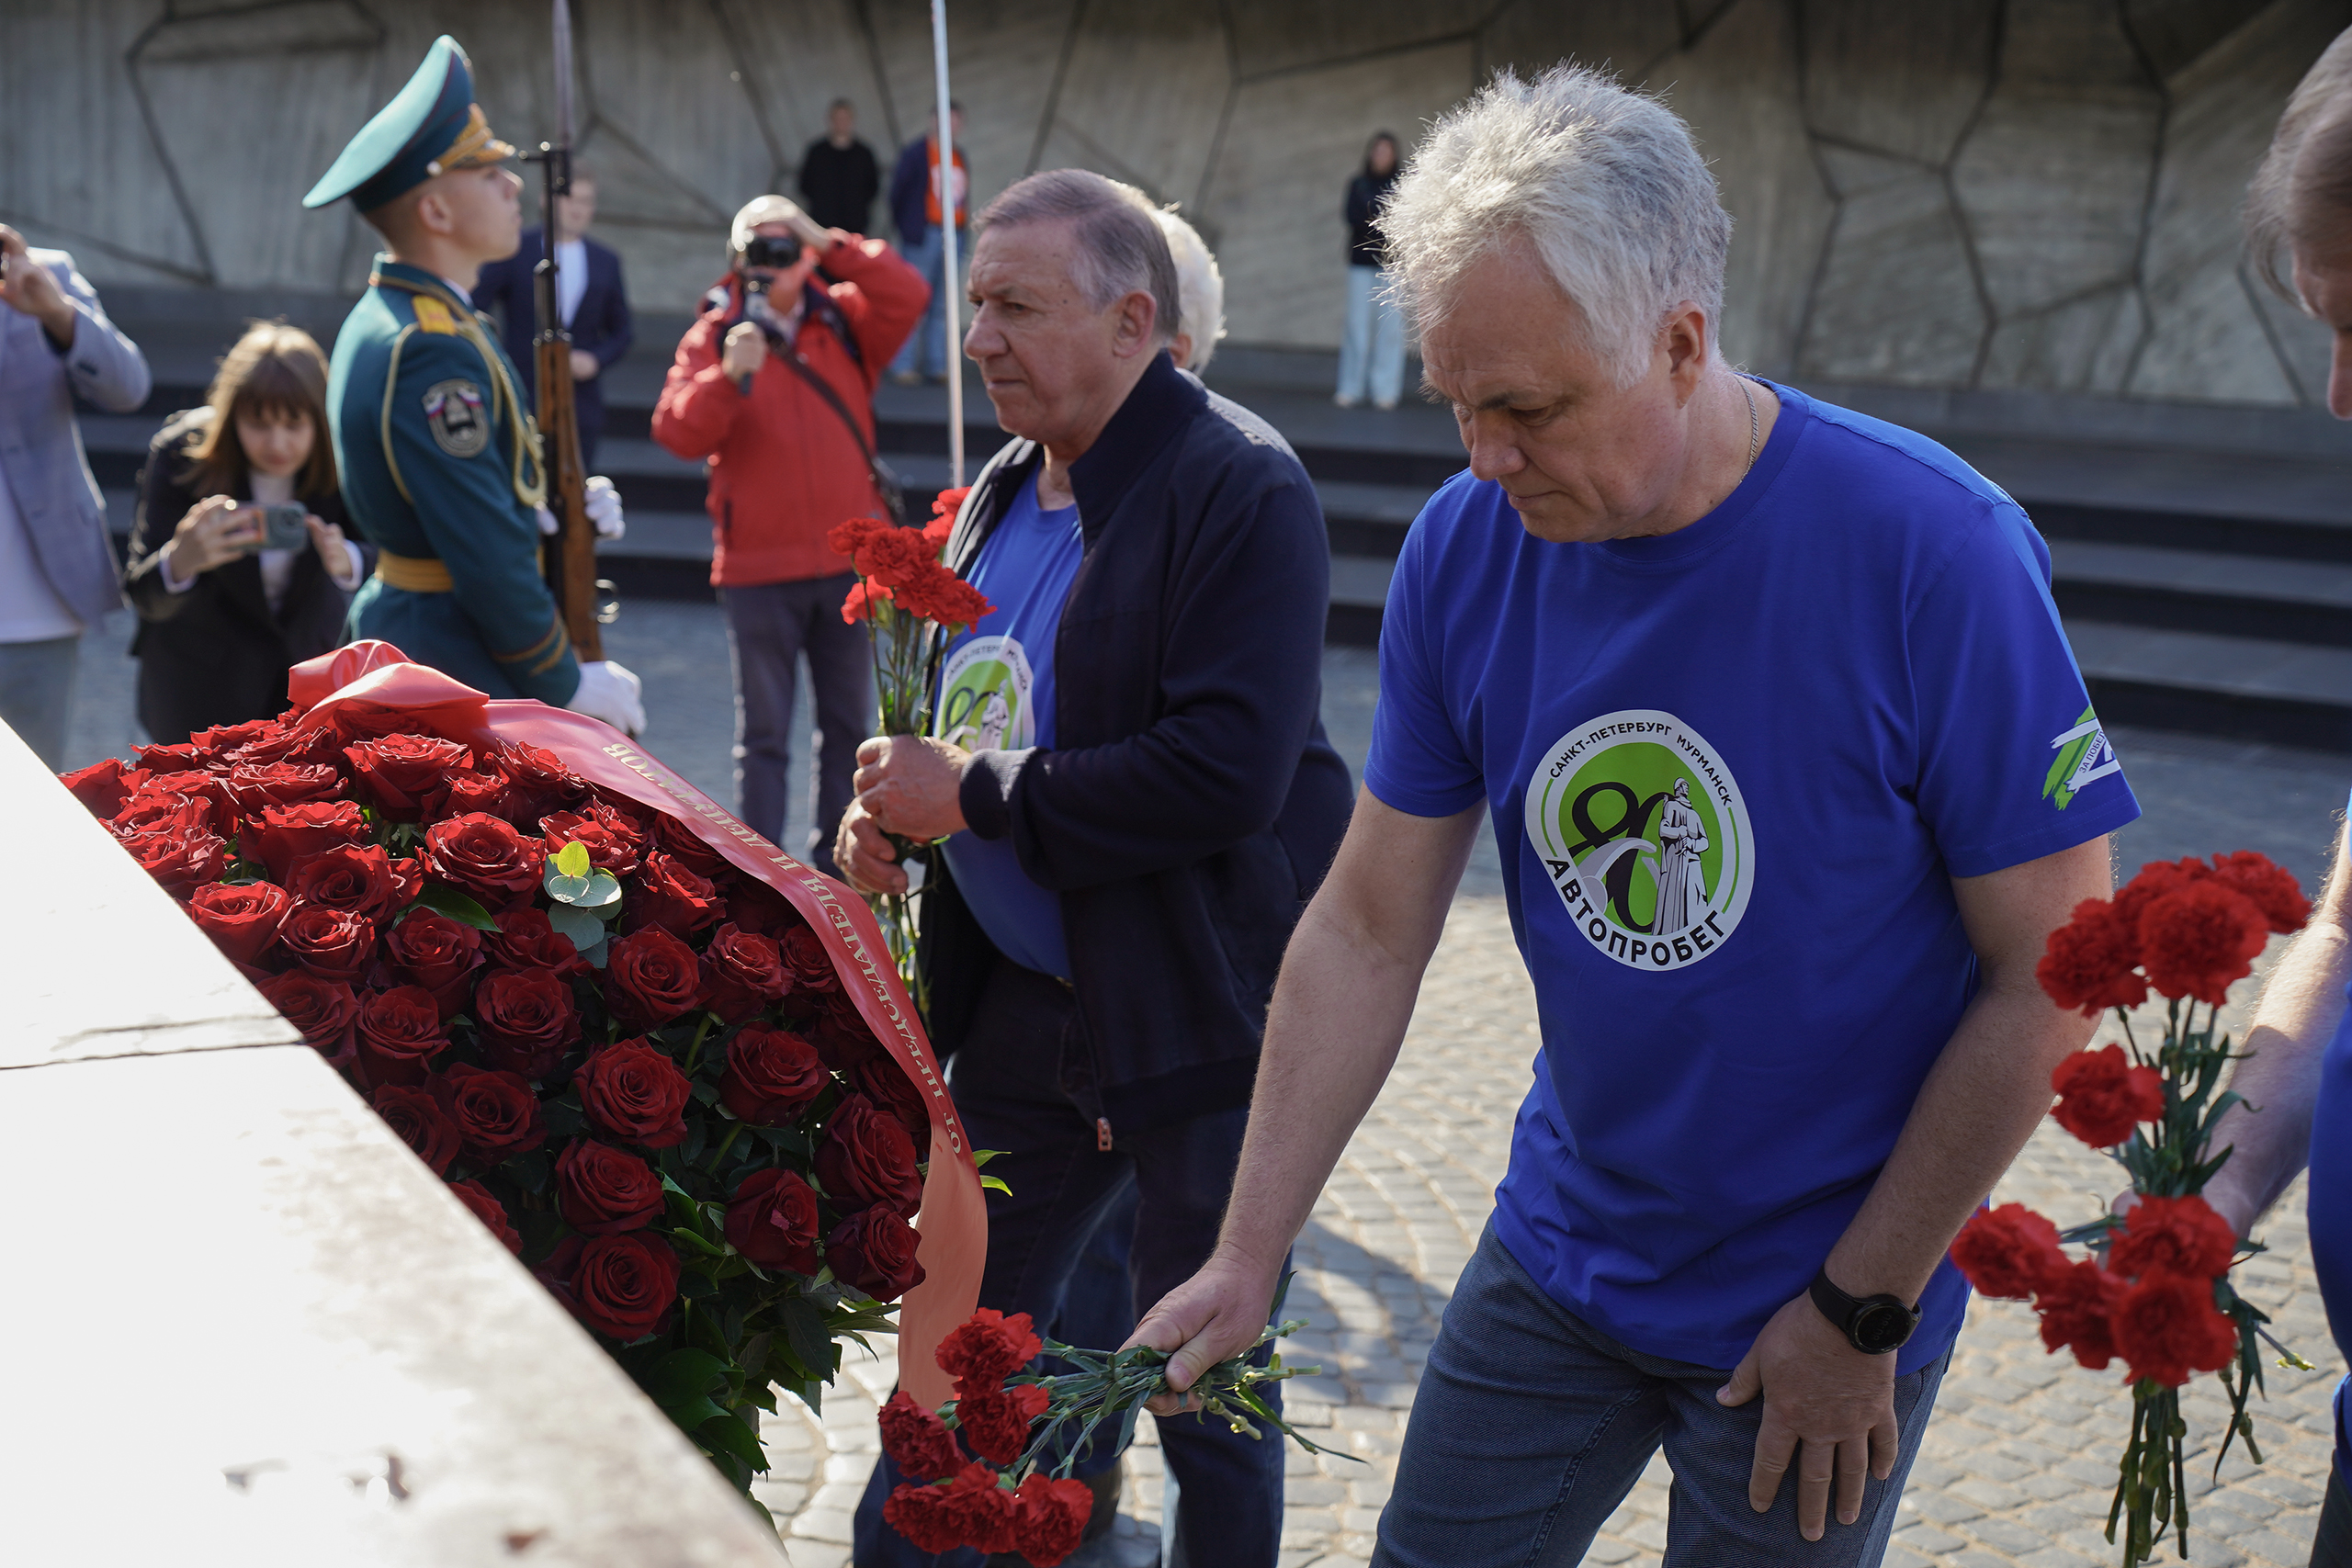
<point x="1646" y="838"/>
<point x="2083" y="755"/>
<point x="986" y="696"/>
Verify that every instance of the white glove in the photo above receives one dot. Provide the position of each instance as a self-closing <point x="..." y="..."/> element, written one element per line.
<point x="604" y="509"/>
<point x="610" y="691"/>
<point x="547" y="524"/>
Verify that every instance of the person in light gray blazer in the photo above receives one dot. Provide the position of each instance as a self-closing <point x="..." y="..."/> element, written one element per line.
<point x="58" y="573"/>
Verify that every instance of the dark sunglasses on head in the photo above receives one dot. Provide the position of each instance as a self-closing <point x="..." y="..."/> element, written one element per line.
<point x="772" y="250"/>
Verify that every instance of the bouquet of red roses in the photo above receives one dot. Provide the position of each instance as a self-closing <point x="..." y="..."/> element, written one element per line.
<point x="914" y="606"/>
<point x="1036" y="1426"/>
<point x="2156" y="1289"/>
<point x="572" y="988"/>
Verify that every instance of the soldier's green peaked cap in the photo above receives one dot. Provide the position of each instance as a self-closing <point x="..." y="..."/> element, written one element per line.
<point x="432" y="127"/>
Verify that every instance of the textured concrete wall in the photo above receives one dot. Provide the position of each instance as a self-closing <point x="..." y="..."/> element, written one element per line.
<point x="1999" y="194"/>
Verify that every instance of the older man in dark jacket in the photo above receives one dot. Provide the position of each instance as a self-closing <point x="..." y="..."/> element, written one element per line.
<point x="1133" y="781"/>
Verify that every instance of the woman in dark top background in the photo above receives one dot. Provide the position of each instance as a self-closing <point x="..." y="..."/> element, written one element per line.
<point x="220" y="618"/>
<point x="1374" y="348"/>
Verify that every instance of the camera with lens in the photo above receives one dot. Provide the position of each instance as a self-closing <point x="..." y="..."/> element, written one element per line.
<point x="777" y="251"/>
<point x="282" y="528"/>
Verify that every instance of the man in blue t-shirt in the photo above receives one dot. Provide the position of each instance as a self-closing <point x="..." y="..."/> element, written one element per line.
<point x="1792" y="772"/>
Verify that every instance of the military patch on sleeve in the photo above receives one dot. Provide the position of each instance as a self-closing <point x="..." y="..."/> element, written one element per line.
<point x="454" y="413"/>
<point x="433" y="316"/>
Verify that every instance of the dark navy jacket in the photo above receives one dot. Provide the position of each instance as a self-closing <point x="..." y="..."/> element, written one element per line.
<point x="1192" y="803"/>
<point x="600" y="326"/>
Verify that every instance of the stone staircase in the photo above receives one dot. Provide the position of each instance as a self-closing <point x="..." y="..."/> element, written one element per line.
<point x="2202" y="556"/>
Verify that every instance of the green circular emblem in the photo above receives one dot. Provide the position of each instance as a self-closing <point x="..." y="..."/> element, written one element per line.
<point x="1646" y="836"/>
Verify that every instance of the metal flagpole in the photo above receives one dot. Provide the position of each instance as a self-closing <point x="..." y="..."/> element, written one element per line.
<point x="944" y="149"/>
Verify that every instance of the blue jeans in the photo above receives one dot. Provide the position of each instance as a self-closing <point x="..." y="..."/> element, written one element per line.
<point x="1531" y="1427"/>
<point x="37" y="694"/>
<point x="926" y="348"/>
<point x="1374" y="341"/>
<point x="771" y="627"/>
<point x="1007" y="1079"/>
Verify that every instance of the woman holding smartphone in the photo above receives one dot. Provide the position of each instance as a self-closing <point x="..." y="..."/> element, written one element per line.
<point x="239" y="566"/>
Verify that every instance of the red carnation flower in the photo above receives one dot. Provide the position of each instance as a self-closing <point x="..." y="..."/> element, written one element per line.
<point x="490" y="1211"/>
<point x="242" y="918"/>
<point x="2195" y="941"/>
<point x="417" y="1122"/>
<point x="2007" y="1252"/>
<point x="917" y="1440"/>
<point x="980" y="1509"/>
<point x="2101" y="1096"/>
<point x="863" y="597"/>
<point x="2089" y="962"/>
<point x="601" y="1192"/>
<point x="945" y="506"/>
<point x="2077" y="1307"/>
<point x="2173" y="1236"/>
<point x="1050" y="1518"/>
<point x="2167" y="1327"/>
<point x="987" y="1348"/>
<point x="2268" y="886"/>
<point x="772" y="1220"/>
<point x="484" y="855"/>
<point x="843" y="538"/>
<point x="997" y="1423"/>
<point x="634" y="1090"/>
<point x="2155" y="879"/>
<point x="920" y="1513"/>
<point x="495" y="1113"/>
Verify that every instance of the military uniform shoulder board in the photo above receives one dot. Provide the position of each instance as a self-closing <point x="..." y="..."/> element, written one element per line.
<point x="433" y="316"/>
<point x="455" y="413"/>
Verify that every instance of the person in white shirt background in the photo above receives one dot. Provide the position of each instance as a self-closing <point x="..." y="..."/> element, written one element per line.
<point x="56" y="566"/>
<point x="591" y="295"/>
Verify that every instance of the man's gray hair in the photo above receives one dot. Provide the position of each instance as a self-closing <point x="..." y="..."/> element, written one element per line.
<point x="1605" y="183"/>
<point x="1120" y="248"/>
<point x="1199" y="286"/>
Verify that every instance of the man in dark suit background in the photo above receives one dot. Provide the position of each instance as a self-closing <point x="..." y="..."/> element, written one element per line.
<point x="839" y="178"/>
<point x="590" y="293"/>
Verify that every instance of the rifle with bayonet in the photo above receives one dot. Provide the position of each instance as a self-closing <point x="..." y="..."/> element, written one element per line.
<point x="571" y="563"/>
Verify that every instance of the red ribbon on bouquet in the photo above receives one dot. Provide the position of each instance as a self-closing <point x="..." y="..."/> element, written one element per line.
<point x="376" y="677"/>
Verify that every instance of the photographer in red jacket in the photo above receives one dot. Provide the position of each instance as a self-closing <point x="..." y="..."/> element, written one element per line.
<point x="774" y="385"/>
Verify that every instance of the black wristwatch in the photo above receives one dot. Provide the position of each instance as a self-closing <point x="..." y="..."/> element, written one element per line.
<point x="1876" y="1326"/>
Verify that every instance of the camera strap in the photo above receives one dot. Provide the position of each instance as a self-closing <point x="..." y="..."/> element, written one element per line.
<point x="893" y="491"/>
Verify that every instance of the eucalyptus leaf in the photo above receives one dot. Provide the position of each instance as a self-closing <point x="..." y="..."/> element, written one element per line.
<point x="585" y="929"/>
<point x="600" y="892"/>
<point x="566" y="889"/>
<point x="571" y="859"/>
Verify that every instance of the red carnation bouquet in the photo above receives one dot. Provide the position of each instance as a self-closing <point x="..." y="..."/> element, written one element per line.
<point x="644" y="1056"/>
<point x="1035" y="1428"/>
<point x="914" y="606"/>
<point x="2156" y="1289"/>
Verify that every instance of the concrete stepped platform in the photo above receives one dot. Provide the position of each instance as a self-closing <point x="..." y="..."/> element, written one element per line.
<point x="2301" y="601"/>
<point x="2235" y="688"/>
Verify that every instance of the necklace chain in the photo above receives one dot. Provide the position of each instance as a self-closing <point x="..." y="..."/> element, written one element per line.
<point x="1754" y="428"/>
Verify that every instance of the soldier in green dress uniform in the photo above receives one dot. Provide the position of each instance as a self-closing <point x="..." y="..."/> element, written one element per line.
<point x="440" y="460"/>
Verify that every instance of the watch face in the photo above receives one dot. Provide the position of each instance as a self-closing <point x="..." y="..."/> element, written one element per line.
<point x="1883" y="1327"/>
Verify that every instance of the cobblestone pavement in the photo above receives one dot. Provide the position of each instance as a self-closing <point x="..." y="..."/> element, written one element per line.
<point x="2020" y="1459"/>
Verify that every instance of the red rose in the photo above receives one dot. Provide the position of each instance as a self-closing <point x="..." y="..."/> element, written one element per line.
<point x="634" y="1090"/>
<point x="881" y="1079"/>
<point x="2007" y="1252"/>
<point x="917" y="1440"/>
<point x="772" y="1220"/>
<point x="986" y="1349"/>
<point x="438" y="952"/>
<point x="1050" y="1518"/>
<point x="484" y="855"/>
<point x="2267" y="885"/>
<point x="674" y="837"/>
<point x="611" y="839"/>
<point x="322" y="1010"/>
<point x="2196" y="940"/>
<point x="920" y="1513"/>
<point x="155" y="810"/>
<point x="623" y="1286"/>
<point x="525" y="940"/>
<point x="196" y="784"/>
<point x="866" y="1158"/>
<point x="2077" y="1308"/>
<point x="2090" y="962"/>
<point x="2173" y="1236"/>
<point x="527" y="1020"/>
<point x="756" y="908"/>
<point x="838" y="1034"/>
<point x="413" y="1117"/>
<point x="400" y="1032"/>
<point x="240" y="917"/>
<point x="494" y="1113"/>
<point x="771" y="1077"/>
<point x="406" y="775"/>
<point x="651" y="978"/>
<point x="357" y="877"/>
<point x="2166" y="1326"/>
<point x="287" y="743"/>
<point x="603" y="1192"/>
<point x="997" y="1423"/>
<point x="408" y="881"/>
<point x="873" y="1251"/>
<point x="103" y="785"/>
<point x="221" y="743"/>
<point x="334" y="944"/>
<point x="178" y="759"/>
<point x="478" y="791"/>
<point x="181" y="857"/>
<point x="741" y="974"/>
<point x="669" y="896"/>
<point x="538" y="780"/>
<point x="812" y="966"/>
<point x="490" y="1211"/>
<point x="981" y="1510"/>
<point x="281" y="784"/>
<point x="282" y="837"/>
<point x="2101" y="1095"/>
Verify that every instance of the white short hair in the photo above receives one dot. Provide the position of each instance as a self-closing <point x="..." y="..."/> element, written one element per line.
<point x="1200" y="287"/>
<point x="1605" y="183"/>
